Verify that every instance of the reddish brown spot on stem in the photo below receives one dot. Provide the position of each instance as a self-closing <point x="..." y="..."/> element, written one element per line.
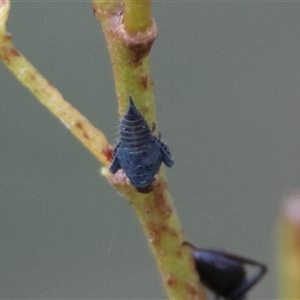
<point x="173" y="232"/>
<point x="162" y="205"/>
<point x="144" y="81"/>
<point x="170" y="280"/>
<point x="14" y="52"/>
<point x="164" y="227"/>
<point x="79" y="125"/>
<point x="9" y="53"/>
<point x="146" y="209"/>
<point x="139" y="51"/>
<point x="191" y="290"/>
<point x="154" y="233"/>
<point x="139" y="44"/>
<point x="108" y="152"/>
<point x="178" y="253"/>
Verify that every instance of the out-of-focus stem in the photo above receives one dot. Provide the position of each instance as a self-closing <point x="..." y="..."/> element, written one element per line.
<point x="289" y="249"/>
<point x="48" y="95"/>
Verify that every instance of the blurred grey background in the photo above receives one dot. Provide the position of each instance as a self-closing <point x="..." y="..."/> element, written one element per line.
<point x="227" y="91"/>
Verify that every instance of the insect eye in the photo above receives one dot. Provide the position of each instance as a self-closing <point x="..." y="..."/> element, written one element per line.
<point x="148" y="166"/>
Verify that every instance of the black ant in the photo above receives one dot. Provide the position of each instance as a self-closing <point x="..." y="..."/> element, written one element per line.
<point x="225" y="273"/>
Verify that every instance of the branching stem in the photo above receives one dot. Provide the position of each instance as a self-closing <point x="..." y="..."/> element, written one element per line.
<point x="130" y="33"/>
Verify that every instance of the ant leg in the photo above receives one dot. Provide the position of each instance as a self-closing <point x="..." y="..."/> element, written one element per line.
<point x="241" y="291"/>
<point x="185" y="243"/>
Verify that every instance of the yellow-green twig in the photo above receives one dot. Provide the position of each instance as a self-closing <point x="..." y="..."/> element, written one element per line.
<point x="129" y="47"/>
<point x="48" y="95"/>
<point x="129" y="42"/>
<point x="129" y="56"/>
<point x="165" y="236"/>
<point x="137" y="16"/>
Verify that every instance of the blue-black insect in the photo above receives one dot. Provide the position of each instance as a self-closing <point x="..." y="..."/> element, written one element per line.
<point x="138" y="152"/>
<point x="225" y="273"/>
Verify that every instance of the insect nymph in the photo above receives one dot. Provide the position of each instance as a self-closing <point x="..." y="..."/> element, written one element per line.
<point x="225" y="273"/>
<point x="138" y="152"/>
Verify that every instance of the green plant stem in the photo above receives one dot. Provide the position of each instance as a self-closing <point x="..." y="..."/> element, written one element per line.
<point x="155" y="211"/>
<point x="129" y="54"/>
<point x="137" y="16"/>
<point x="48" y="95"/>
<point x="165" y="236"/>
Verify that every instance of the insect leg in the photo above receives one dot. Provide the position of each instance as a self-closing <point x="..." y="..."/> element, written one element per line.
<point x="241" y="291"/>
<point x="115" y="165"/>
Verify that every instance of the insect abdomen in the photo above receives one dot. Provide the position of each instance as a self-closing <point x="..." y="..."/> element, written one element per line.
<point x="135" y="134"/>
